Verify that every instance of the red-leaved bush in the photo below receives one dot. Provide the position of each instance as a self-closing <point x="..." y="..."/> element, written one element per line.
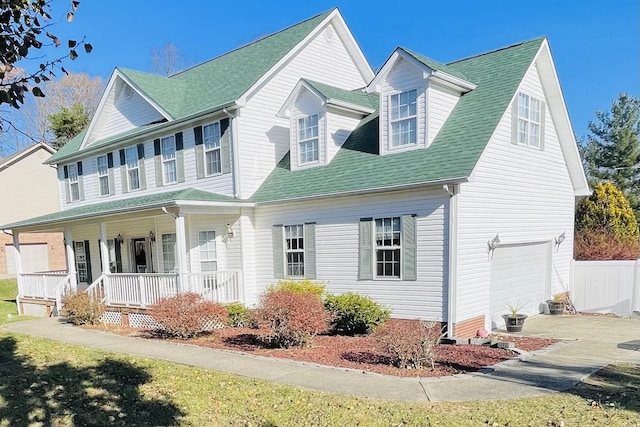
<point x="409" y="343"/>
<point x="293" y="318"/>
<point x="187" y="315"/>
<point x="600" y="244"/>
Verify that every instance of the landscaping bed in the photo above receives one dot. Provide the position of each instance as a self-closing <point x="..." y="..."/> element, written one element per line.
<point x="357" y="352"/>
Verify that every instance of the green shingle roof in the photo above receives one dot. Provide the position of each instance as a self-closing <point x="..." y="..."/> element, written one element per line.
<point x="123" y="205"/>
<point x="438" y="66"/>
<point x="451" y="156"/>
<point x="214" y="83"/>
<point x="356" y="97"/>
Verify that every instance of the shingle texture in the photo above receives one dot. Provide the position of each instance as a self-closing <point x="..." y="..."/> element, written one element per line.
<point x="356" y="97"/>
<point x="123" y="205"/>
<point x="452" y="155"/>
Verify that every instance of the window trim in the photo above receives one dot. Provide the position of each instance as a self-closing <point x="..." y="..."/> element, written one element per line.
<point x="166" y="161"/>
<point x="528" y="121"/>
<point x="103" y="174"/>
<point x="287" y="250"/>
<point x="401" y="119"/>
<point x="215" y="251"/>
<point x="132" y="149"/>
<point x="74" y="180"/>
<point x="207" y="149"/>
<point x="300" y="140"/>
<point x="399" y="247"/>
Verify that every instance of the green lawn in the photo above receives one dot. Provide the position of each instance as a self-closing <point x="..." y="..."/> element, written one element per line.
<point x="47" y="383"/>
<point x="8" y="292"/>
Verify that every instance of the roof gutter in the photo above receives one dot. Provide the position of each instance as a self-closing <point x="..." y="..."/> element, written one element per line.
<point x="161" y="127"/>
<point x="416" y="185"/>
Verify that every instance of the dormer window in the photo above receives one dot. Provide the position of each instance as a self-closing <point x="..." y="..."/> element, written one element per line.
<point x="308" y="142"/>
<point x="530" y="113"/>
<point x="403" y="118"/>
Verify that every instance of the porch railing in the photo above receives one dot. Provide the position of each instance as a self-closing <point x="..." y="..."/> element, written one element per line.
<point x="216" y="286"/>
<point x="40" y="285"/>
<point x="138" y="289"/>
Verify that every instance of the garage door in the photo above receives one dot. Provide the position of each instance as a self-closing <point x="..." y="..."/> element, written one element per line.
<point x="35" y="257"/>
<point x="519" y="275"/>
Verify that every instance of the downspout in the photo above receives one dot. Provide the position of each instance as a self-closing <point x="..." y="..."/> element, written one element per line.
<point x="233" y="148"/>
<point x="453" y="192"/>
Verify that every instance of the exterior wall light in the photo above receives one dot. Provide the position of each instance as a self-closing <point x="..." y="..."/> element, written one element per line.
<point x="119" y="238"/>
<point x="559" y="239"/>
<point x="229" y="231"/>
<point x="152" y="236"/>
<point x="493" y="244"/>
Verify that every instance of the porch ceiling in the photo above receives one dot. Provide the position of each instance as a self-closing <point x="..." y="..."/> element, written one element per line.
<point x="184" y="197"/>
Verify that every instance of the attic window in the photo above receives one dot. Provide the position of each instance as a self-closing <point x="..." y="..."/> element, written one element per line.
<point x="528" y="120"/>
<point x="403" y="118"/>
<point x="308" y="139"/>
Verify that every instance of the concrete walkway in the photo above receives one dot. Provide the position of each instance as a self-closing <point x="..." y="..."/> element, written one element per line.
<point x="592" y="342"/>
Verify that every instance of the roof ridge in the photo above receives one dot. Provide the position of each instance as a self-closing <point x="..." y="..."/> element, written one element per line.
<point x="539" y="38"/>
<point x="253" y="42"/>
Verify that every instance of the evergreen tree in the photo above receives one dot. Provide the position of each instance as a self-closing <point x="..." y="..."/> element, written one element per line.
<point x="611" y="151"/>
<point x="67" y="123"/>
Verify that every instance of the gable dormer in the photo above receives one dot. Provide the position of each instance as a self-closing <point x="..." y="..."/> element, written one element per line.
<point x="123" y="107"/>
<point x="321" y="118"/>
<point x="416" y="96"/>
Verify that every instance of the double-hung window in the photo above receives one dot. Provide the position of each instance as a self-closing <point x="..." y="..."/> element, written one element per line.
<point x="211" y="139"/>
<point x="387" y="247"/>
<point x="294" y="250"/>
<point x="103" y="175"/>
<point x="207" y="244"/>
<point x="308" y="139"/>
<point x="169" y="252"/>
<point x="403" y="118"/>
<point x="529" y="120"/>
<point x="169" y="171"/>
<point x="133" y="169"/>
<point x="74" y="183"/>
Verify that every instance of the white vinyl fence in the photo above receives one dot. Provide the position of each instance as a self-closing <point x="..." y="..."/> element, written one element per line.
<point x="606" y="286"/>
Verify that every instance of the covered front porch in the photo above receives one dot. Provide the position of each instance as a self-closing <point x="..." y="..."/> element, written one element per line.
<point x="135" y="255"/>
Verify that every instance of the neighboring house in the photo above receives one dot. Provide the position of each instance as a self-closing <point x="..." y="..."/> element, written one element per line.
<point x="288" y="157"/>
<point x="29" y="188"/>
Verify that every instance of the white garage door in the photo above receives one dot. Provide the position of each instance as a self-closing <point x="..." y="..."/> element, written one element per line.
<point x="35" y="257"/>
<point x="520" y="276"/>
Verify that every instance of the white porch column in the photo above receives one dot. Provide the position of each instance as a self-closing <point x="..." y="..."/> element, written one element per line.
<point x="104" y="249"/>
<point x="181" y="242"/>
<point x="18" y="259"/>
<point x="71" y="258"/>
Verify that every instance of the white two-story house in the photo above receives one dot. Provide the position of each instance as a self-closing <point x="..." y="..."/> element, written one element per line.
<point x="441" y="190"/>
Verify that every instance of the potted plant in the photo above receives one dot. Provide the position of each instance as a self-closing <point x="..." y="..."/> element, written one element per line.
<point x="556" y="305"/>
<point x="514" y="320"/>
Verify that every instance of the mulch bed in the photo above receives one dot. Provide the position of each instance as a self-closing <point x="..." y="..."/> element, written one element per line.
<point x="357" y="352"/>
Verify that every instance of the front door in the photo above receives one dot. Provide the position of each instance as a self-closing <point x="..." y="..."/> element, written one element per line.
<point x="140" y="258"/>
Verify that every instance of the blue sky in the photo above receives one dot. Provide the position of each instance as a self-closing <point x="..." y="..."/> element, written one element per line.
<point x="595" y="44"/>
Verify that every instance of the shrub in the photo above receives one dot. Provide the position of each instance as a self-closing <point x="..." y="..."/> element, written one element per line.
<point x="355" y="314"/>
<point x="293" y="318"/>
<point x="81" y="309"/>
<point x="239" y="315"/>
<point x="300" y="287"/>
<point x="600" y="245"/>
<point x="607" y="209"/>
<point x="187" y="315"/>
<point x="410" y="343"/>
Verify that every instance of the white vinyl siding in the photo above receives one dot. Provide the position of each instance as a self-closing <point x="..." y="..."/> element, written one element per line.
<point x="337" y="241"/>
<point x="339" y="126"/>
<point x="524" y="195"/>
<point x="103" y="175"/>
<point x="441" y="103"/>
<point x="322" y="61"/>
<point x="169" y="167"/>
<point x="403" y="78"/>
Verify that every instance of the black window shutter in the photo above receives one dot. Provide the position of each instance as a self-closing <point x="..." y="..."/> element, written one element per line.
<point x="123" y="161"/>
<point x="66" y="172"/>
<point x="197" y="134"/>
<point x="156" y="147"/>
<point x="179" y="144"/>
<point x="87" y="254"/>
<point x="79" y="168"/>
<point x="140" y="151"/>
<point x="224" y="124"/>
<point x="109" y="160"/>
